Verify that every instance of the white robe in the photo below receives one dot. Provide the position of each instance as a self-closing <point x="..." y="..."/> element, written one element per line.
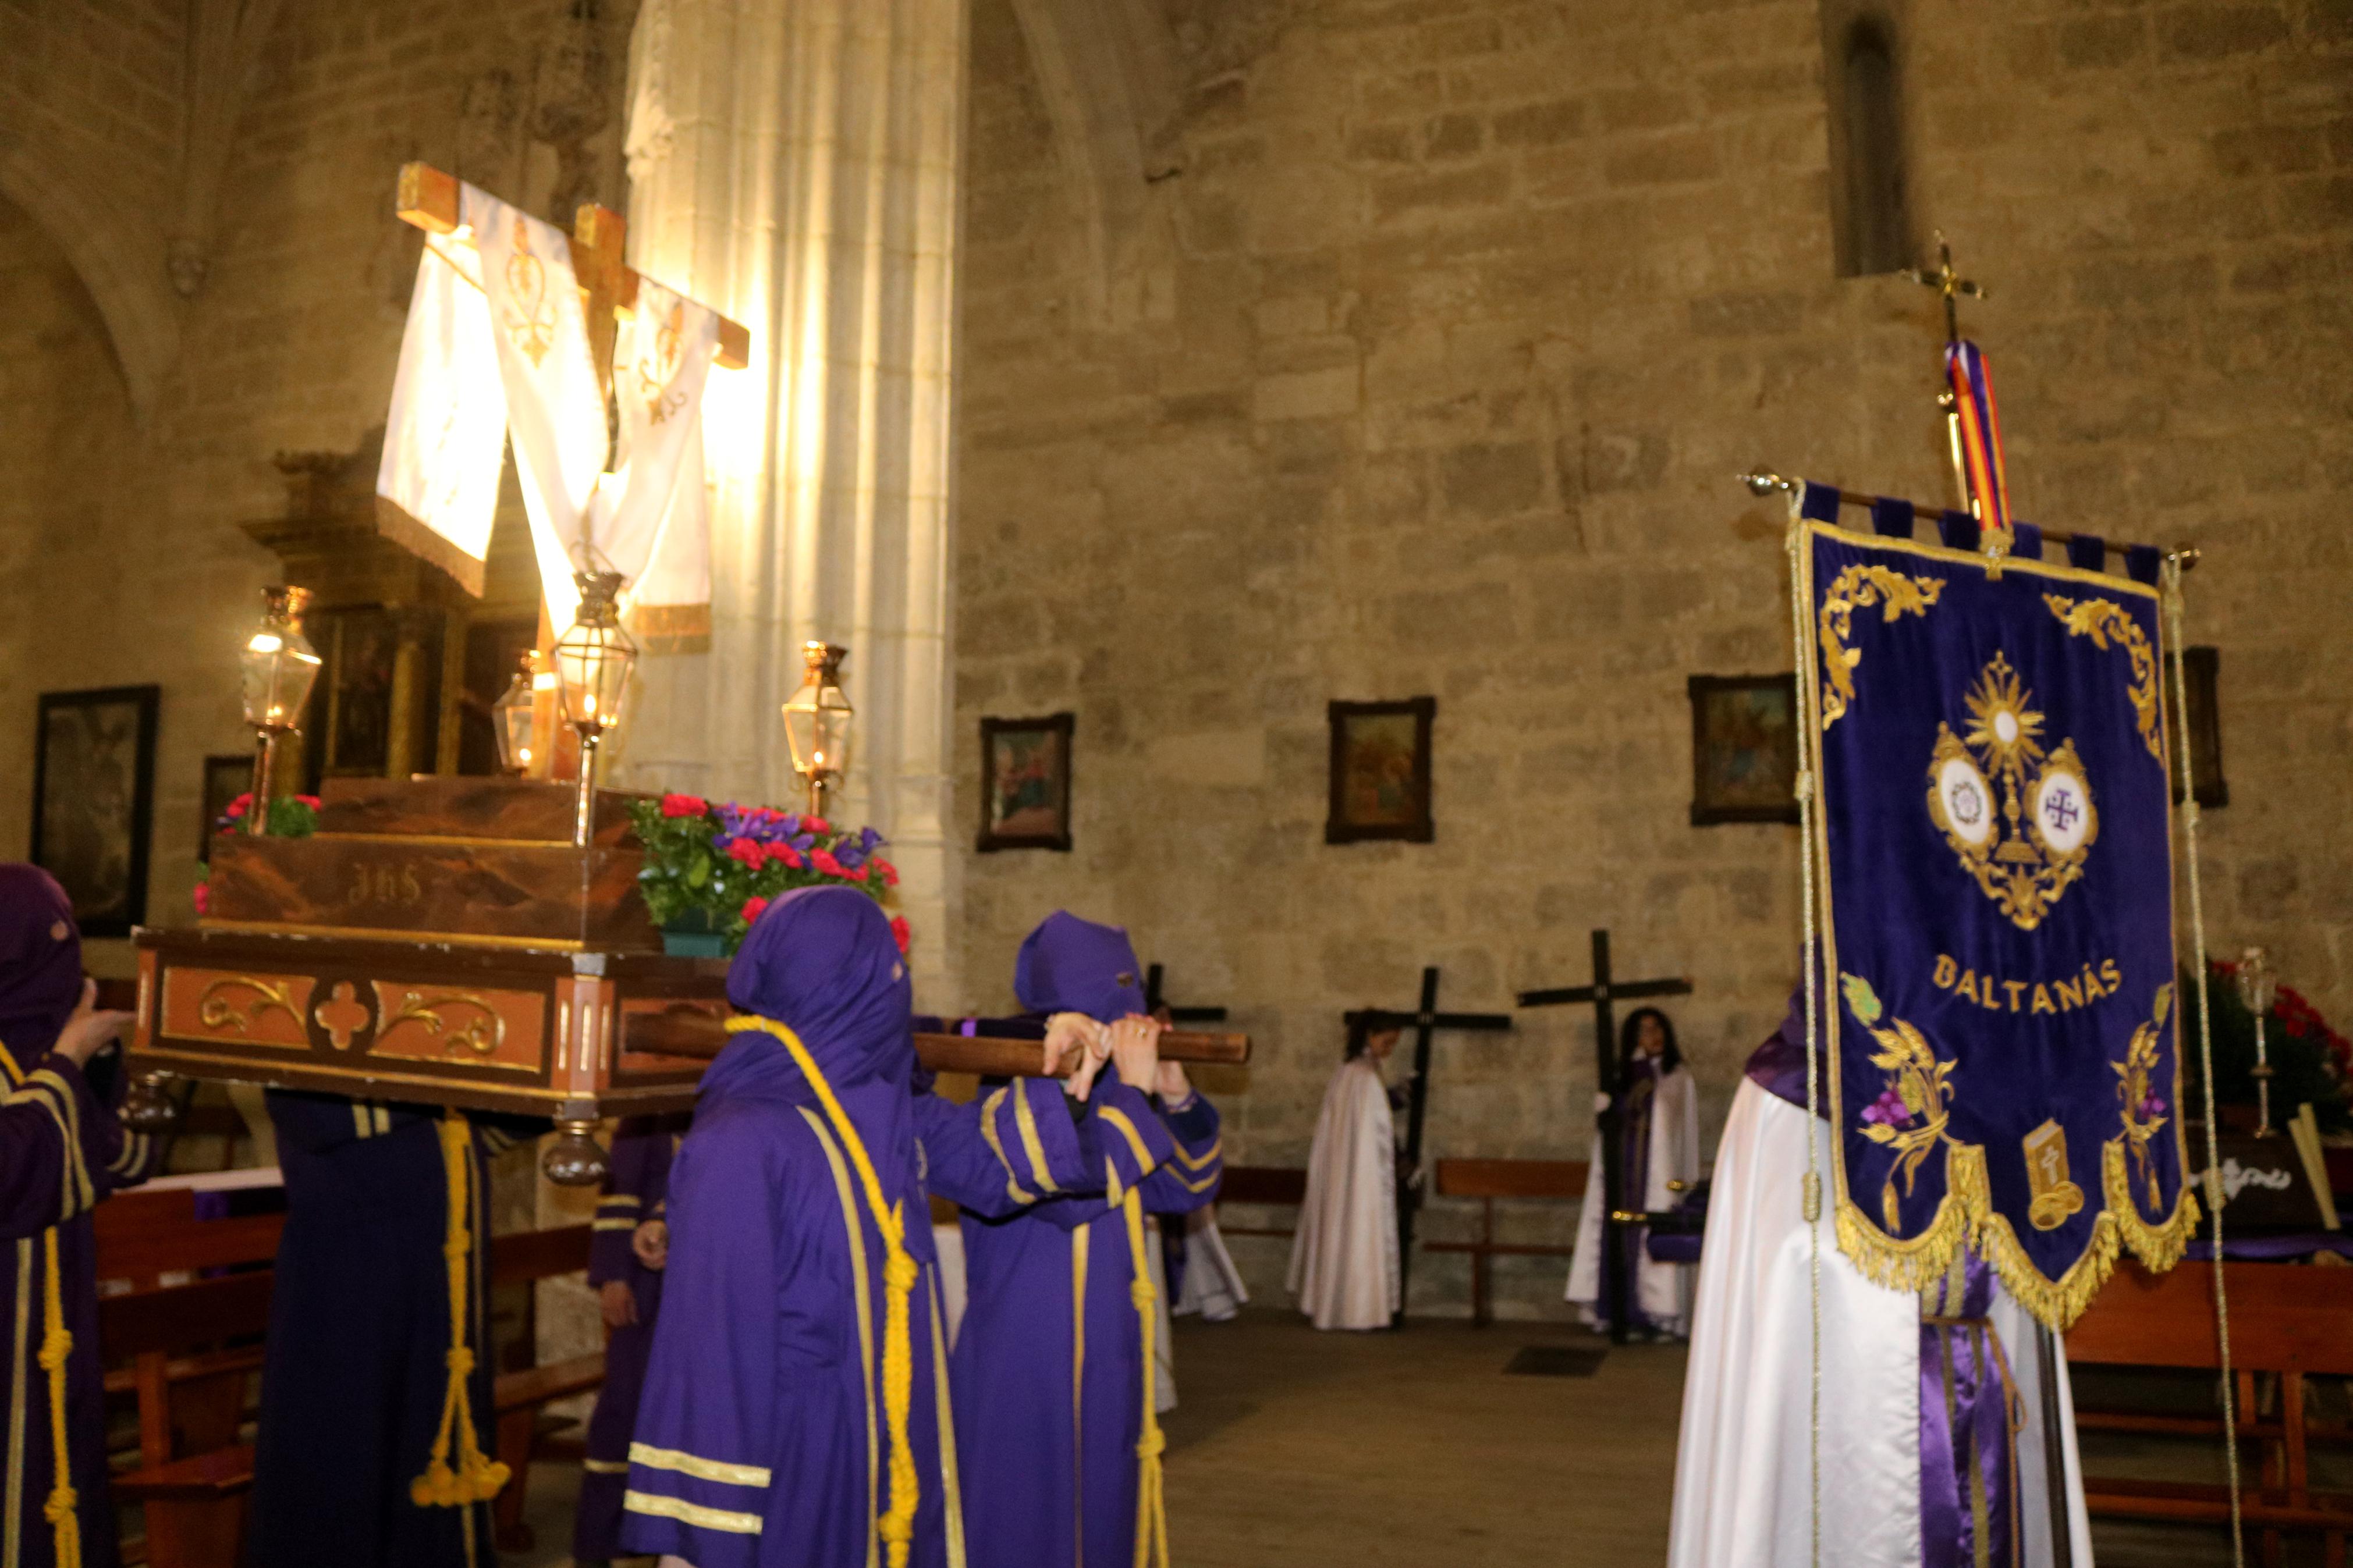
<point x="1213" y="1287"/>
<point x="1742" y="1471"/>
<point x="1343" y="1261"/>
<point x="1663" y="1291"/>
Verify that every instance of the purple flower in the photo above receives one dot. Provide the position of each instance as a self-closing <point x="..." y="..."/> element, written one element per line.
<point x="869" y="840"/>
<point x="1888" y="1109"/>
<point x="803" y="842"/>
<point x="2151" y="1107"/>
<point x="851" y="856"/>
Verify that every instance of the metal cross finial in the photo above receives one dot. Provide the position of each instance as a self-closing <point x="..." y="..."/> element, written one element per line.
<point x="1948" y="283"/>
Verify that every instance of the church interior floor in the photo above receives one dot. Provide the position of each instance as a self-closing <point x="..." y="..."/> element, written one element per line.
<point x="1291" y="1449"/>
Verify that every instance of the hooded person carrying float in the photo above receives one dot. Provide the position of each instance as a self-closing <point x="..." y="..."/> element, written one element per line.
<point x="797" y="1410"/>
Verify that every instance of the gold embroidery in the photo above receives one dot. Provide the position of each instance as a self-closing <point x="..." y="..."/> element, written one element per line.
<point x="2026" y="866"/>
<point x="2143" y="1114"/>
<point x="701" y="1469"/>
<point x="692" y="1513"/>
<point x="216" y="1011"/>
<point x="483" y="1036"/>
<point x="531" y="314"/>
<point x="1860" y="587"/>
<point x="2053" y="1199"/>
<point x="997" y="1146"/>
<point x="1026" y="1120"/>
<point x="2101" y="618"/>
<point x="1917" y="1083"/>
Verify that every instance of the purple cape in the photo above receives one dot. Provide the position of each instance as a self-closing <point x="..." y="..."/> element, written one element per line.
<point x="1049" y="1368"/>
<point x="61" y="1149"/>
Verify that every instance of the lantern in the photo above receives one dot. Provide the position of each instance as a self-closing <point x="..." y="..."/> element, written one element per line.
<point x="817" y="721"/>
<point x="514" y="717"/>
<point x="593" y="661"/>
<point x="278" y="667"/>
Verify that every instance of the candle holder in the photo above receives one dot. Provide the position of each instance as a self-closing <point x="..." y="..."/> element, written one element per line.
<point x="817" y="720"/>
<point x="519" y="720"/>
<point x="2258" y="989"/>
<point x="278" y="667"/>
<point x="593" y="661"/>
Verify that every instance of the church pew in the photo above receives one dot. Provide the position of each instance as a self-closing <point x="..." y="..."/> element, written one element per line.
<point x="1269" y="1186"/>
<point x="2288" y="1321"/>
<point x="1488" y="1180"/>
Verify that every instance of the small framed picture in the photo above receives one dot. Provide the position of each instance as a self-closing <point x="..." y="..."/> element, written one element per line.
<point x="94" y="801"/>
<point x="1743" y="749"/>
<point x="2201" y="668"/>
<point x="226" y="778"/>
<point x="1025" y="783"/>
<point x="1380" y="771"/>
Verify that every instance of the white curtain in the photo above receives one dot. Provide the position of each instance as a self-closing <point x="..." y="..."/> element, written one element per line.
<point x="795" y="165"/>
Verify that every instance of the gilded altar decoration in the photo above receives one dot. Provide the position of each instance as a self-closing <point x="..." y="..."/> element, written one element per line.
<point x="530" y="313"/>
<point x="2101" y="619"/>
<point x="1910" y="1114"/>
<point x="1861" y="588"/>
<point x="217" y="1010"/>
<point x="2020" y="820"/>
<point x="1996" y="913"/>
<point x="483" y="1036"/>
<point x="342" y="1015"/>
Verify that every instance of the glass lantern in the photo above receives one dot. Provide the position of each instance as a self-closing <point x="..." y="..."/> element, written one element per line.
<point x="278" y="667"/>
<point x="514" y="717"/>
<point x="593" y="661"/>
<point x="818" y="723"/>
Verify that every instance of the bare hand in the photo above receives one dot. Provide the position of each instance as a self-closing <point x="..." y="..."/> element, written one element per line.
<point x="1135" y="1049"/>
<point x="87" y="1029"/>
<point x="620" y="1304"/>
<point x="1095" y="1052"/>
<point x="1175" y="1088"/>
<point x="650" y="1242"/>
<point x="1071" y="1038"/>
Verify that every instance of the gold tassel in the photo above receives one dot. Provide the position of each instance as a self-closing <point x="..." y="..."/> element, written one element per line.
<point x="897" y="1525"/>
<point x="56" y="1349"/>
<point x="476" y="1477"/>
<point x="1151" y="1512"/>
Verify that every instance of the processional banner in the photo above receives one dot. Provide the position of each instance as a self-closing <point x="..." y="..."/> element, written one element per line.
<point x="1988" y="742"/>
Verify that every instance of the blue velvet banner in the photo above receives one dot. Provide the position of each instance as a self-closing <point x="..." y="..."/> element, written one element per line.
<point x="1995" y="827"/>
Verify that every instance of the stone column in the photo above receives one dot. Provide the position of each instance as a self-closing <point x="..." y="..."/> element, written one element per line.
<point x="796" y="163"/>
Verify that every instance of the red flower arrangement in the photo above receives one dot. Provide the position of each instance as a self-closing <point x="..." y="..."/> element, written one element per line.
<point x="718" y="866"/>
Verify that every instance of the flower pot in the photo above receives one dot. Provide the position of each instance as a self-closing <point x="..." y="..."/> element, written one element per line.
<point x="691" y="935"/>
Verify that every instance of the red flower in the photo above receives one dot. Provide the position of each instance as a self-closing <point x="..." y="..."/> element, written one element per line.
<point x="858" y="876"/>
<point x="748" y="852"/>
<point x="824" y="863"/>
<point x="788" y="856"/>
<point x="816" y="824"/>
<point x="203" y="898"/>
<point x="753" y="909"/>
<point x="683" y="806"/>
<point x="887" y="871"/>
<point x="237" y="807"/>
<point x="309" y="800"/>
<point x="901" y="933"/>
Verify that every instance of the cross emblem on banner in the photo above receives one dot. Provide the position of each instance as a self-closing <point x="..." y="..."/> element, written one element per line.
<point x="1425" y="1020"/>
<point x="1604" y="994"/>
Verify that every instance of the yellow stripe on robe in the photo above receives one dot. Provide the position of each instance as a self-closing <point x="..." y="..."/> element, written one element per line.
<point x="692" y="1513"/>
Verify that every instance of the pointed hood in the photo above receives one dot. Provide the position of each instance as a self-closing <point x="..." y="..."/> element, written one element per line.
<point x="40" y="961"/>
<point x="1071" y="965"/>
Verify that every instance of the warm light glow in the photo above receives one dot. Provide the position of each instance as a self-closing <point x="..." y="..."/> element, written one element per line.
<point x="524" y="753"/>
<point x="544" y="681"/>
<point x="265" y="642"/>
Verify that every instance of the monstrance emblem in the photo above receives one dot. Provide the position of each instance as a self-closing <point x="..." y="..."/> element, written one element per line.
<point x="2020" y="819"/>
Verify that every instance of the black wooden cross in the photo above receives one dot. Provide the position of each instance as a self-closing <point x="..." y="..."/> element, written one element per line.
<point x="1154" y="1001"/>
<point x="1604" y="992"/>
<point x="1425" y="1021"/>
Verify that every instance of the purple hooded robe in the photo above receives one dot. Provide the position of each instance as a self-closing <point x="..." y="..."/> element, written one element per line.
<point x="1049" y="1362"/>
<point x="763" y="1433"/>
<point x="61" y="1149"/>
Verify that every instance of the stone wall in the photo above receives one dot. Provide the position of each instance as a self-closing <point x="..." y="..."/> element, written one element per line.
<point x="1460" y="318"/>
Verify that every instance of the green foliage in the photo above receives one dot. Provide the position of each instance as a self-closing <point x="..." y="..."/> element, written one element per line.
<point x="2309" y="1061"/>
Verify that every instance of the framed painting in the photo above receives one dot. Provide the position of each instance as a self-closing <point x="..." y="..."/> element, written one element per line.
<point x="1380" y="771"/>
<point x="1743" y="749"/>
<point x="1025" y="783"/>
<point x="94" y="801"/>
<point x="2201" y="668"/>
<point x="226" y="778"/>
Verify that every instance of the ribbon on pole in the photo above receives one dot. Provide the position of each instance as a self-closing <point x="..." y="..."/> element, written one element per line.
<point x="1972" y="381"/>
<point x="1995" y="830"/>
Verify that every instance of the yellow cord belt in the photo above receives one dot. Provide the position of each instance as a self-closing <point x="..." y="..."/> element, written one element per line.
<point x="56" y="1348"/>
<point x="897" y="1525"/>
<point x="476" y="1477"/>
<point x="1151" y="1514"/>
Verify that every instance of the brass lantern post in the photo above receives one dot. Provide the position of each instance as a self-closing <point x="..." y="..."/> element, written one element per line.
<point x="593" y="661"/>
<point x="278" y="667"/>
<point x="818" y="723"/>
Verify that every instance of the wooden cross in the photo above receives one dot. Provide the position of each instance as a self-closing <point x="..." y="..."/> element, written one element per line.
<point x="1948" y="283"/>
<point x="1426" y="1020"/>
<point x="1154" y="1001"/>
<point x="1604" y="994"/>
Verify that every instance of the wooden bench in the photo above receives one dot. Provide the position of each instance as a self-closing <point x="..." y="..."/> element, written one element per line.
<point x="194" y="1477"/>
<point x="2288" y="1321"/>
<point x="1272" y="1187"/>
<point x="1487" y="1180"/>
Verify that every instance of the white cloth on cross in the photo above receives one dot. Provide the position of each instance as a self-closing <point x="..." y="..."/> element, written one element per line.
<point x="1661" y="1292"/>
<point x="497" y="347"/>
<point x="1343" y="1261"/>
<point x="1743" y="1464"/>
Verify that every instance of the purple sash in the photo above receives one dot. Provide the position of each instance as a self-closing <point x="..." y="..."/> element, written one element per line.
<point x="1970" y="1417"/>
